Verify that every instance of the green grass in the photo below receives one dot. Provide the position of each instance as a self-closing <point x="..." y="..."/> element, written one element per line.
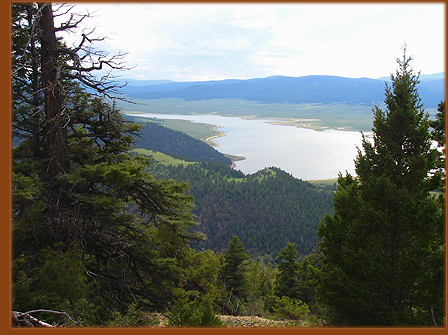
<point x="235" y="158"/>
<point x="158" y="157"/>
<point x="314" y="116"/>
<point x="200" y="131"/>
<point x="161" y="158"/>
<point x="324" y="182"/>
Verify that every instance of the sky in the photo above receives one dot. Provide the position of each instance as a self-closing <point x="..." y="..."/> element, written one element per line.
<point x="194" y="42"/>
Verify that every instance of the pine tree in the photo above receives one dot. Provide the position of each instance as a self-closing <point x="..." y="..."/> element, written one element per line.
<point x="78" y="194"/>
<point x="383" y="248"/>
<point x="286" y="283"/>
<point x="233" y="270"/>
<point x="438" y="135"/>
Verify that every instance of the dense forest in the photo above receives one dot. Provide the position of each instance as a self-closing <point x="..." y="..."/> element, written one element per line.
<point x="265" y="210"/>
<point x="229" y="203"/>
<point x="154" y="136"/>
<point x="103" y="237"/>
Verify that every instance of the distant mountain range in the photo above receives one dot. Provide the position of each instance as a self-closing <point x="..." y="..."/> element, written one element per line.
<point x="278" y="89"/>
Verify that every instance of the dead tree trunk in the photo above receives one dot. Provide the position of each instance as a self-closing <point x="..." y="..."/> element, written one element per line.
<point x="20" y="319"/>
<point x="56" y="133"/>
<point x="36" y="101"/>
<point x="26" y="320"/>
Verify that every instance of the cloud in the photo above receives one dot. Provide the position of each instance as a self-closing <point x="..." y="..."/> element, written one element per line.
<point x="217" y="41"/>
<point x="254" y="17"/>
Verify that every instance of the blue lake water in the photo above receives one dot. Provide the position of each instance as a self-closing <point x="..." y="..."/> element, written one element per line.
<point x="306" y="154"/>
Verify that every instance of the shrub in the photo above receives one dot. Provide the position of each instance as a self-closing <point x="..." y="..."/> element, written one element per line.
<point x="290" y="309"/>
<point x="190" y="309"/>
<point x="132" y="318"/>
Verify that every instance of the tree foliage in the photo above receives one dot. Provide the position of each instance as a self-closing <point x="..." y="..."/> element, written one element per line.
<point x="96" y="235"/>
<point x="234" y="267"/>
<point x="190" y="309"/>
<point x="383" y="248"/>
<point x="438" y="135"/>
<point x="176" y="144"/>
<point x="265" y="210"/>
<point x="286" y="283"/>
<point x="290" y="309"/>
<point x="82" y="206"/>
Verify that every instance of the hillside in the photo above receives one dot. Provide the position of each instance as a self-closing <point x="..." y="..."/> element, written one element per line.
<point x="265" y="210"/>
<point x="177" y="144"/>
<point x="307" y="89"/>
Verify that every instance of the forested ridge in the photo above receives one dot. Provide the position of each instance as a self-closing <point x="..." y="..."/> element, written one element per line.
<point x="154" y="136"/>
<point x="265" y="210"/>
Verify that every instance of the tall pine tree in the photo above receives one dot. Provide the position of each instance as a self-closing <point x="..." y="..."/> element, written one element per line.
<point x="83" y="208"/>
<point x="286" y="283"/>
<point x="438" y="135"/>
<point x="233" y="270"/>
<point x="383" y="250"/>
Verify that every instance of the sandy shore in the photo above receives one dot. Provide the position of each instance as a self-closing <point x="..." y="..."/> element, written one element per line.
<point x="209" y="139"/>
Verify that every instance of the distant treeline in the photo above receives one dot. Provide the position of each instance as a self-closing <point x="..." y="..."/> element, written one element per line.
<point x="265" y="210"/>
<point x="177" y="144"/>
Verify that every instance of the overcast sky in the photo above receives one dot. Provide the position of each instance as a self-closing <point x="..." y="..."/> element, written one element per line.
<point x="189" y="42"/>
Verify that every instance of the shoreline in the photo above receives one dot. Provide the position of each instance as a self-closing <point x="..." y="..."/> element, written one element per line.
<point x="214" y="132"/>
<point x="209" y="139"/>
<point x="306" y="123"/>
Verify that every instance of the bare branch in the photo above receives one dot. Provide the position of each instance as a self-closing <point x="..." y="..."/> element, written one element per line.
<point x="70" y="23"/>
<point x="85" y="38"/>
<point x="50" y="311"/>
<point x="60" y="7"/>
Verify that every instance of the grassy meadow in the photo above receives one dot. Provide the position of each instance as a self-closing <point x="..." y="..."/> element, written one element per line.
<point x="158" y="157"/>
<point x="313" y="116"/>
<point x="200" y="131"/>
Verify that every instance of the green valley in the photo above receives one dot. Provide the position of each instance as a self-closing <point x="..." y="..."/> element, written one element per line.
<point x="316" y="116"/>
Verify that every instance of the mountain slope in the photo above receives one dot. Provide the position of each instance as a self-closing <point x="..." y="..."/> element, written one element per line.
<point x="177" y="144"/>
<point x="307" y="89"/>
<point x="265" y="210"/>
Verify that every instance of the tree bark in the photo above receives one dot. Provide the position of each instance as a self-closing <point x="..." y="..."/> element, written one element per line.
<point x="56" y="133"/>
<point x="36" y="101"/>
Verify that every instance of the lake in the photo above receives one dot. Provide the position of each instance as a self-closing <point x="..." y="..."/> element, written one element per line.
<point x="305" y="153"/>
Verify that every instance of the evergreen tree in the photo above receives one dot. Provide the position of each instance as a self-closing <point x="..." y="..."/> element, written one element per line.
<point x="438" y="135"/>
<point x="82" y="206"/>
<point x="261" y="279"/>
<point x="306" y="283"/>
<point x="233" y="270"/>
<point x="383" y="247"/>
<point x="286" y="282"/>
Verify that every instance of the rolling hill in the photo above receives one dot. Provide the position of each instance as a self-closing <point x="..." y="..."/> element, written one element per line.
<point x="307" y="89"/>
<point x="154" y="136"/>
<point x="265" y="210"/>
